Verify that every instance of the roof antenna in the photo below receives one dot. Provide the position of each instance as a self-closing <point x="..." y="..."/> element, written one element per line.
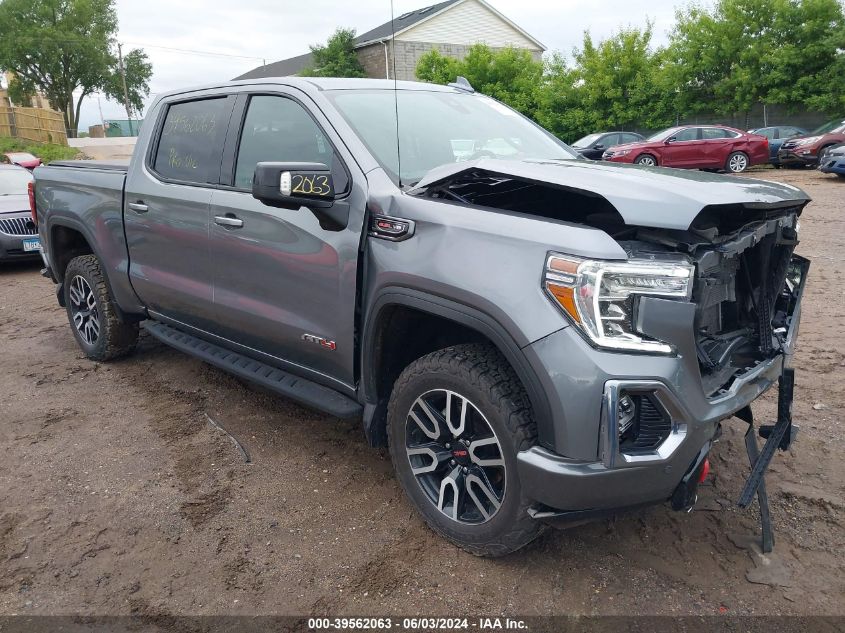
<point x="461" y="83"/>
<point x="395" y="95"/>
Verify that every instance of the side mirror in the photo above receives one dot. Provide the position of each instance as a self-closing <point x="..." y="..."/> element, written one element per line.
<point x="598" y="146"/>
<point x="671" y="139"/>
<point x="293" y="185"/>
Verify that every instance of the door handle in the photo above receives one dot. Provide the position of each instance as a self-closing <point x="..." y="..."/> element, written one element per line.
<point x="138" y="207"/>
<point x="228" y="220"/>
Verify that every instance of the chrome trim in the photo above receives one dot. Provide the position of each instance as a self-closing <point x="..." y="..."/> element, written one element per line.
<point x="18" y="227"/>
<point x="609" y="452"/>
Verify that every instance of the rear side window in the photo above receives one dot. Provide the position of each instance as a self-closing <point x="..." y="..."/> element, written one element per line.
<point x="710" y="133"/>
<point x="191" y="141"/>
<point x="630" y="138"/>
<point x="278" y="129"/>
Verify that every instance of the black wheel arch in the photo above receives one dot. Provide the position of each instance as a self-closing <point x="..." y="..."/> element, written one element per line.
<point x="479" y="325"/>
<point x="76" y="239"/>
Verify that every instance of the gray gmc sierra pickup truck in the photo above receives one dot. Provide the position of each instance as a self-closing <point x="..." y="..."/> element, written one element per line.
<point x="536" y="337"/>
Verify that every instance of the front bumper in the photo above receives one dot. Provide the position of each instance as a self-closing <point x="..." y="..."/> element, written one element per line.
<point x="797" y="156"/>
<point x="582" y="467"/>
<point x="11" y="248"/>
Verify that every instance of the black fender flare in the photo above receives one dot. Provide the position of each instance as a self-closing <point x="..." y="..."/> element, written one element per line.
<point x="82" y="229"/>
<point x="472" y="318"/>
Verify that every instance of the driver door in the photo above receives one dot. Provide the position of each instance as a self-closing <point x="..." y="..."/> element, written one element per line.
<point x="683" y="150"/>
<point x="285" y="286"/>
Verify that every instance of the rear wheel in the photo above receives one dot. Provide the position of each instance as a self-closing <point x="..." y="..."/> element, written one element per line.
<point x="737" y="162"/>
<point x="93" y="314"/>
<point x="456" y="420"/>
<point x="646" y="160"/>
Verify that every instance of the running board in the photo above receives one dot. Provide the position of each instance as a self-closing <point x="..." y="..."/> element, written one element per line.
<point x="288" y="385"/>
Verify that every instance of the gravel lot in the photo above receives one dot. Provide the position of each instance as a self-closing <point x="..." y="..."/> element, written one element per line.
<point x="118" y="496"/>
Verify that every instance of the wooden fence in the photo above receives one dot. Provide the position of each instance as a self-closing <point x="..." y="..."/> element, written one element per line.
<point x="33" y="124"/>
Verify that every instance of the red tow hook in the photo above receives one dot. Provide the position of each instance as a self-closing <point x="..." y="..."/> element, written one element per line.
<point x="705" y="470"/>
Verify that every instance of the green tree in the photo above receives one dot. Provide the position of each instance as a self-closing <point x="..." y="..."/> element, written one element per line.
<point x="335" y="58"/>
<point x="744" y="52"/>
<point x="65" y="49"/>
<point x="511" y="75"/>
<point x="616" y="83"/>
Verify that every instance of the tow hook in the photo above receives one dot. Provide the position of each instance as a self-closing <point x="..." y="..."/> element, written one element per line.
<point x="686" y="493"/>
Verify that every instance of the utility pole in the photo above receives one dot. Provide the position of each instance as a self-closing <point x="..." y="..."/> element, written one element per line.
<point x="125" y="90"/>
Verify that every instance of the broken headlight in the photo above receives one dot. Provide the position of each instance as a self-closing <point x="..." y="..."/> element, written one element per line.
<point x="600" y="296"/>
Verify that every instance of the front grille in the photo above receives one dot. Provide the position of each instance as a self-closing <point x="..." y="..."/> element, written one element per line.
<point x="18" y="226"/>
<point x="651" y="426"/>
<point x="789" y="144"/>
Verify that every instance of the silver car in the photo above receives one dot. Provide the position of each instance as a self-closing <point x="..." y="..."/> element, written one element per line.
<point x="18" y="233"/>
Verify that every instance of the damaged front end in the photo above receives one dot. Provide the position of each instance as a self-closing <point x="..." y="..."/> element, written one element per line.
<point x="747" y="284"/>
<point x="737" y="236"/>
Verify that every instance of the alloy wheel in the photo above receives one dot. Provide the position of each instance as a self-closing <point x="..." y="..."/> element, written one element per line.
<point x="737" y="163"/>
<point x="455" y="456"/>
<point x="83" y="308"/>
<point x="646" y="161"/>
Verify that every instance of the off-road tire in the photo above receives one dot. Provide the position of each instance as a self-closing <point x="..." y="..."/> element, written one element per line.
<point x="644" y="159"/>
<point x="116" y="338"/>
<point x="481" y="374"/>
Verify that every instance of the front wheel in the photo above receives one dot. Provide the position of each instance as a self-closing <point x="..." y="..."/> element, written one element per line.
<point x="737" y="162"/>
<point x="92" y="312"/>
<point x="647" y="160"/>
<point x="456" y="420"/>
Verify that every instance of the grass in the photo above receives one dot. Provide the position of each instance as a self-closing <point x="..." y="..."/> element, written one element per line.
<point x="47" y="152"/>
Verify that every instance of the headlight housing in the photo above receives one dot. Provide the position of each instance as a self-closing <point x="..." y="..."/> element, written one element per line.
<point x="808" y="141"/>
<point x="621" y="152"/>
<point x="600" y="296"/>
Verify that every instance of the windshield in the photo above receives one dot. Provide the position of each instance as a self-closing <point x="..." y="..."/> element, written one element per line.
<point x="831" y="127"/>
<point x="662" y="135"/>
<point x="437" y="128"/>
<point x="587" y="141"/>
<point x="13" y="182"/>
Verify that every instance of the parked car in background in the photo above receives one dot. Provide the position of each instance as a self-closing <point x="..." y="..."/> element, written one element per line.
<point x="805" y="150"/>
<point x="593" y="146"/>
<point x="22" y="159"/>
<point x="18" y="233"/>
<point x="777" y="134"/>
<point x="832" y="160"/>
<point x="695" y="147"/>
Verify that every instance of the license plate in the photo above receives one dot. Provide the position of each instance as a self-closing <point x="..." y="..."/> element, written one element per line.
<point x="31" y="244"/>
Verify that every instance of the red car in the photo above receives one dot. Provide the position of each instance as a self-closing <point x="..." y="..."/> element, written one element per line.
<point x="695" y="147"/>
<point x="22" y="159"/>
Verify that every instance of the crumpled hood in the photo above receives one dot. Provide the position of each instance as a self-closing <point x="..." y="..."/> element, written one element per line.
<point x="644" y="196"/>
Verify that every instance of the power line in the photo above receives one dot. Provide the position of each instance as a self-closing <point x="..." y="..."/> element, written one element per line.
<point x="189" y="51"/>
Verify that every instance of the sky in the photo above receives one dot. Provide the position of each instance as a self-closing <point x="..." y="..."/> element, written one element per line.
<point x="230" y="38"/>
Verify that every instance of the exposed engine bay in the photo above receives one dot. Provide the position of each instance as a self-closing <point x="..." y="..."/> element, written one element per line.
<point x="745" y="285"/>
<point x="745" y="281"/>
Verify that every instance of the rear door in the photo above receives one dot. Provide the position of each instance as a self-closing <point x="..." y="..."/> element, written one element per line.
<point x="285" y="281"/>
<point x="717" y="145"/>
<point x="166" y="209"/>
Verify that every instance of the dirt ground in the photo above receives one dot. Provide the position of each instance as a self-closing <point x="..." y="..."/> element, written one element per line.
<point x="118" y="496"/>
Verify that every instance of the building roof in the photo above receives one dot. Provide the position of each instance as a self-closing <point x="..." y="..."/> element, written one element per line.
<point x="401" y="23"/>
<point x="389" y="29"/>
<point x="283" y="68"/>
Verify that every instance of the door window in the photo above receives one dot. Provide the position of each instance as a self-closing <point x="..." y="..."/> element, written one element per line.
<point x="630" y="138"/>
<point x="191" y="141"/>
<point x="609" y="141"/>
<point x="689" y="134"/>
<point x="278" y="129"/>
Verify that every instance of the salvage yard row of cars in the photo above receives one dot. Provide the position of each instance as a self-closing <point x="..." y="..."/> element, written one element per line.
<point x="720" y="148"/>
